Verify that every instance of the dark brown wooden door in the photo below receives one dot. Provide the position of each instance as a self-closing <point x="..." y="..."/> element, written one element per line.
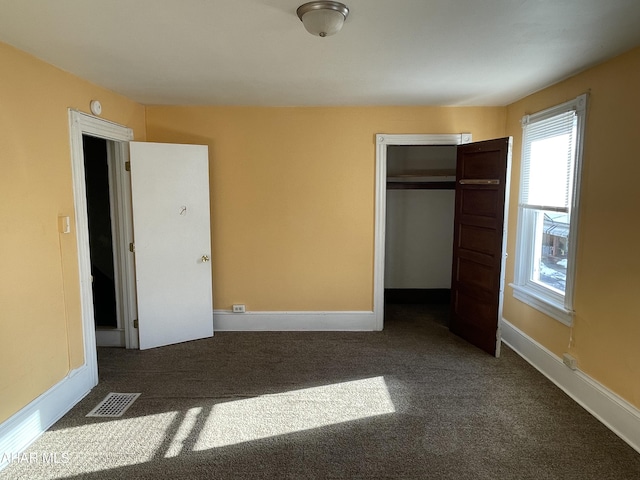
<point x="476" y="284"/>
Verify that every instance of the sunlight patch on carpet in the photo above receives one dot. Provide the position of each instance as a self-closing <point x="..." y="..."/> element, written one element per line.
<point x="295" y="411"/>
<point x="105" y="444"/>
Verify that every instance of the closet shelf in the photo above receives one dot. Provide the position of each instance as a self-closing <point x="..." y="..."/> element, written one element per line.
<point x="425" y="179"/>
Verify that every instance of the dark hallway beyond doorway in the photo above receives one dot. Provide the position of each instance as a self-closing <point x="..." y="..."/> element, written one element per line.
<point x="100" y="231"/>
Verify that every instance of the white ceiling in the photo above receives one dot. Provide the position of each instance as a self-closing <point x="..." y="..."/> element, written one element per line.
<point x="256" y="52"/>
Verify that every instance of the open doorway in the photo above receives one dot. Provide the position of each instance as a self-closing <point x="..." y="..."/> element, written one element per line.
<point x="115" y="140"/>
<point x="170" y="183"/>
<point x="104" y="282"/>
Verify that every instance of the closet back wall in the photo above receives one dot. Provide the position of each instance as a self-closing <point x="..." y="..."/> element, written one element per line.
<point x="419" y="227"/>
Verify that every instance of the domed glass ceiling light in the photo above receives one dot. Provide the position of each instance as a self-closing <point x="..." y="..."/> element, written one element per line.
<point x="323" y="18"/>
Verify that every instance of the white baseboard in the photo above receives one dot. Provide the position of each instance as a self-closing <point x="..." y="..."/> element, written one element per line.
<point x="111" y="337"/>
<point x="23" y="428"/>
<point x="227" y="321"/>
<point x="615" y="413"/>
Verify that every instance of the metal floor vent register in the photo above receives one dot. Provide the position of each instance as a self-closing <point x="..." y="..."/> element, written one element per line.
<point x="114" y="405"/>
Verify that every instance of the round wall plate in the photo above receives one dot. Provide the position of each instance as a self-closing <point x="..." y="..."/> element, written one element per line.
<point x="96" y="107"/>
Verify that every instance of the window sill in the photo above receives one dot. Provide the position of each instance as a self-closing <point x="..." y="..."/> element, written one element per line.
<point x="545" y="305"/>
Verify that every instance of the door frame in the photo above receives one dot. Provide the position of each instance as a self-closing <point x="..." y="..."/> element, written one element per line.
<point x="117" y="137"/>
<point x="382" y="142"/>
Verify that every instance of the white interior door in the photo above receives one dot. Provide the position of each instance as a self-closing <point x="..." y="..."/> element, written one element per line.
<point x="170" y="199"/>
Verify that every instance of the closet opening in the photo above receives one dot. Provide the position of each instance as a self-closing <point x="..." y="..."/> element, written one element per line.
<point x="420" y="207"/>
<point x="417" y="245"/>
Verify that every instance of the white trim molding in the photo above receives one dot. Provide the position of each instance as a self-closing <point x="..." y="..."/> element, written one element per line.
<point x="382" y="141"/>
<point x="615" y="413"/>
<point x="546" y="306"/>
<point x="227" y="321"/>
<point x="24" y="427"/>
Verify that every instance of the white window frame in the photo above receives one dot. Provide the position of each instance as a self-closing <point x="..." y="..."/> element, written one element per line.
<point x="547" y="300"/>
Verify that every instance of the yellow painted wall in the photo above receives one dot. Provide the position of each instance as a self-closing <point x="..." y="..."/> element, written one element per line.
<point x="292" y="194"/>
<point x="606" y="332"/>
<point x="40" y="324"/>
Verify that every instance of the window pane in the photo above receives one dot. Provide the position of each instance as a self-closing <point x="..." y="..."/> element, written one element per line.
<point x="551" y="249"/>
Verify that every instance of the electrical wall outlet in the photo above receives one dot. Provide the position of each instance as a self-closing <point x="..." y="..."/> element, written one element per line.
<point x="238" y="308"/>
<point x="569" y="361"/>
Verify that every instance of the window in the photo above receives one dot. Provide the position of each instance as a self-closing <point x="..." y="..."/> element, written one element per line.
<point x="548" y="205"/>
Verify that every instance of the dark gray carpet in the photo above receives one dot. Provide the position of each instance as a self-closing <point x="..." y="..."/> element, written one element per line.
<point x="411" y="402"/>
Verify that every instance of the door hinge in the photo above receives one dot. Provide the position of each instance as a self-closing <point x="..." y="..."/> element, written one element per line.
<point x="127" y="166"/>
<point x="132" y="247"/>
<point x="135" y="323"/>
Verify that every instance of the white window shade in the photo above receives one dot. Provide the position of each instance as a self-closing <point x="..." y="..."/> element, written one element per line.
<point x="547" y="176"/>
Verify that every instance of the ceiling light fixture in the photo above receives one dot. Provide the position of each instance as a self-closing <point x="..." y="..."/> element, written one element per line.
<point x="323" y="18"/>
